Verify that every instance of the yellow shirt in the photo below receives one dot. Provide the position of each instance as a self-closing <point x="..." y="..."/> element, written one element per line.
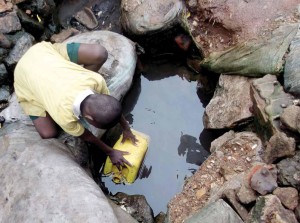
<point x="46" y="80"/>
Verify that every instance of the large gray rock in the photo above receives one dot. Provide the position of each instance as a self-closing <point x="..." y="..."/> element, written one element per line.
<point x="254" y="58"/>
<point x="41" y="182"/>
<point x="230" y="105"/>
<point x="219" y="212"/>
<point x="22" y="45"/>
<point x="292" y="67"/>
<point x="148" y="16"/>
<point x="269" y="100"/>
<point x="269" y="209"/>
<point x="10" y="23"/>
<point x="289" y="171"/>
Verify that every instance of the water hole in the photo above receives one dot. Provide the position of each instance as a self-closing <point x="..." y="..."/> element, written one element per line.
<point x="163" y="104"/>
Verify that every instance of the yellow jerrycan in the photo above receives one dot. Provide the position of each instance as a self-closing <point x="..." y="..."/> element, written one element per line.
<point x="137" y="152"/>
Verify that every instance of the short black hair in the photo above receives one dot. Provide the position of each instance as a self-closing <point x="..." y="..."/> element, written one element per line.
<point x="105" y="110"/>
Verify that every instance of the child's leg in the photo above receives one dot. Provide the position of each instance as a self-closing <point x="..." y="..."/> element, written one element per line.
<point x="92" y="56"/>
<point x="45" y="126"/>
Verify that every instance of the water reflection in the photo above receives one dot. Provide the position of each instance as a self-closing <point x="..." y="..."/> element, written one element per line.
<point x="195" y="153"/>
<point x="144" y="172"/>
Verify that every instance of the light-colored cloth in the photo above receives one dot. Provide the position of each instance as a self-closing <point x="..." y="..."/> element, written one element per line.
<point x="46" y="80"/>
<point x="78" y="100"/>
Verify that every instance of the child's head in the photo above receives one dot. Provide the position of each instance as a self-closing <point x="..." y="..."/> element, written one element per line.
<point x="101" y="110"/>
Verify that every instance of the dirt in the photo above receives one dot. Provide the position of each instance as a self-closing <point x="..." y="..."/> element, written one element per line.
<point x="237" y="157"/>
<point x="218" y="25"/>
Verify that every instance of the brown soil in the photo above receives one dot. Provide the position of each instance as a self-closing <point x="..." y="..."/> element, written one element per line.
<point x="219" y="24"/>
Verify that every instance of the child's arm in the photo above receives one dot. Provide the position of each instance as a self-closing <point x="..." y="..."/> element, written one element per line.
<point x="127" y="134"/>
<point x="116" y="156"/>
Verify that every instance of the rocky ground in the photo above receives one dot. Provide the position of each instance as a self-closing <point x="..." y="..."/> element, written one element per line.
<point x="253" y="171"/>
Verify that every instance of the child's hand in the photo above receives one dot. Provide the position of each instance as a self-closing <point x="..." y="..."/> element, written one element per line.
<point x="127" y="134"/>
<point x="117" y="158"/>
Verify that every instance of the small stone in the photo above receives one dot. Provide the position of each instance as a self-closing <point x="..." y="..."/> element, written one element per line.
<point x="263" y="181"/>
<point x="288" y="196"/>
<point x="195" y="23"/>
<point x="28" y="12"/>
<point x="248" y="159"/>
<point x="201" y="192"/>
<point x="283" y="105"/>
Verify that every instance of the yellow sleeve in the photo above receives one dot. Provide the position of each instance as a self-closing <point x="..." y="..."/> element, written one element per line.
<point x="73" y="128"/>
<point x="33" y="109"/>
<point x="101" y="87"/>
<point x="61" y="48"/>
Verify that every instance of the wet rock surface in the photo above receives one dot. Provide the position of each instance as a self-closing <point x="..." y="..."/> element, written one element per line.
<point x="230" y="105"/>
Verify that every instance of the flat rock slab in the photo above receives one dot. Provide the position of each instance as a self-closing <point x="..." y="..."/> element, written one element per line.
<point x="254" y="58"/>
<point x="292" y="67"/>
<point x="219" y="212"/>
<point x="230" y="105"/>
<point x="139" y="17"/>
<point x="40" y="181"/>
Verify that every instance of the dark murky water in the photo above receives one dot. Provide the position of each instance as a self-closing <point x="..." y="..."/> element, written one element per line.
<point x="164" y="105"/>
